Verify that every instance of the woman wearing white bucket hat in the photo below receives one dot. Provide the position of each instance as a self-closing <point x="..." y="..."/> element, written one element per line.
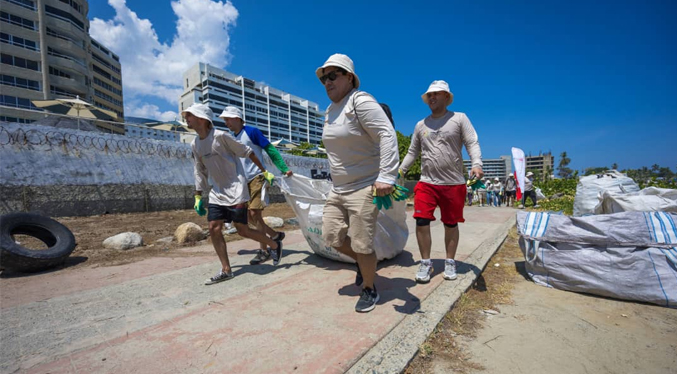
<point x="362" y="151"/>
<point x="439" y="139"/>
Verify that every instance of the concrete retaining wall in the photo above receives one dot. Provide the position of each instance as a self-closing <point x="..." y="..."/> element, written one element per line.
<point x="65" y="172"/>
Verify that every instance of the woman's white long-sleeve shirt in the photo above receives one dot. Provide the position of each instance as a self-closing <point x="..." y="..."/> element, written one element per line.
<point x="361" y="150"/>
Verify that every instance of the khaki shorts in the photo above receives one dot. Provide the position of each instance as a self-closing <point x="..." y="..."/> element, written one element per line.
<point x="351" y="214"/>
<point x="255" y="188"/>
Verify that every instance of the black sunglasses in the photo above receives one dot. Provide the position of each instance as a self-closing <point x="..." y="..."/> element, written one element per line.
<point x="332" y="75"/>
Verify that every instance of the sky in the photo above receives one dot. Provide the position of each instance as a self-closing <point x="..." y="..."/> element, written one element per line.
<point x="594" y="79"/>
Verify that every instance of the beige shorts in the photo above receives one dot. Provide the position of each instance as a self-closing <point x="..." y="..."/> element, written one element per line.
<point x="351" y="214"/>
<point x="255" y="188"/>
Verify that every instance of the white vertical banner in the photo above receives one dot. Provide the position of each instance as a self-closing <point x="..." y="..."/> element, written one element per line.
<point x="520" y="167"/>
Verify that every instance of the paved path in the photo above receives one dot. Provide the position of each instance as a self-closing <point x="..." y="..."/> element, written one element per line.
<point x="156" y="316"/>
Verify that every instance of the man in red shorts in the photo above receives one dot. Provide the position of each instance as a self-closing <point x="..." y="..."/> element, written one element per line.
<point x="439" y="139"/>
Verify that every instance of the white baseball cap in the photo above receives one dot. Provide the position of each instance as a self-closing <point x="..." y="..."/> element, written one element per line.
<point x="232" y="112"/>
<point x="340" y="61"/>
<point x="438" y="86"/>
<point x="529" y="174"/>
<point x="201" y="111"/>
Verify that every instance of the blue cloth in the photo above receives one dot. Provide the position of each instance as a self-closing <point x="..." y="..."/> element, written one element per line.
<point x="254" y="139"/>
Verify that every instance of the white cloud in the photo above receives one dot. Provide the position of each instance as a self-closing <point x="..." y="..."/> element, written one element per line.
<point x="151" y="68"/>
<point x="150" y="111"/>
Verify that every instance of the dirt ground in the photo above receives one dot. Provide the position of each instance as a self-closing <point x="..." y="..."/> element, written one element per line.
<point x="507" y="324"/>
<point x="90" y="232"/>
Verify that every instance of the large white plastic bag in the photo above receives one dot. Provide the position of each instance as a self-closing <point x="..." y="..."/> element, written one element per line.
<point x="589" y="189"/>
<point x="650" y="199"/>
<point x="308" y="196"/>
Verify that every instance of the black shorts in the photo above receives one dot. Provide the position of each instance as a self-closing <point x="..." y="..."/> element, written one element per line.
<point x="510" y="193"/>
<point x="236" y="213"/>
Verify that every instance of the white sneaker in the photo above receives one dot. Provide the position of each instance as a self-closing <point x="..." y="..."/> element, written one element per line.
<point x="423" y="273"/>
<point x="449" y="270"/>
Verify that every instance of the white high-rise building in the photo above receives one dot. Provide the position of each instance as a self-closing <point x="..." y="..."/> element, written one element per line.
<point x="278" y="114"/>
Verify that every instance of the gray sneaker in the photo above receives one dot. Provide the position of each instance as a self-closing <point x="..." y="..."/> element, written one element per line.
<point x="367" y="301"/>
<point x="450" y="270"/>
<point x="261" y="256"/>
<point x="220" y="277"/>
<point x="277" y="253"/>
<point x="423" y="273"/>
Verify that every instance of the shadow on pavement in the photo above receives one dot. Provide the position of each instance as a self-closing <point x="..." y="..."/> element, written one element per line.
<point x="70" y="261"/>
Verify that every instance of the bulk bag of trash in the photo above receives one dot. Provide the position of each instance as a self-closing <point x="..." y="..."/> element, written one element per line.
<point x="307" y="197"/>
<point x="650" y="199"/>
<point x="629" y="255"/>
<point x="591" y="186"/>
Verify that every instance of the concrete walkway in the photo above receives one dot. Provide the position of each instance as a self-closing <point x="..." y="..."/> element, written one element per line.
<point x="156" y="316"/>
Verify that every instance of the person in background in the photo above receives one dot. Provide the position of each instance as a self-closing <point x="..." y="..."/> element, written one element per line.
<point x="482" y="193"/>
<point x="490" y="191"/>
<point x="529" y="190"/>
<point x="510" y="190"/>
<point x="498" y="192"/>
<point x="254" y="139"/>
<point x="439" y="139"/>
<point x="216" y="157"/>
<point x="363" y="156"/>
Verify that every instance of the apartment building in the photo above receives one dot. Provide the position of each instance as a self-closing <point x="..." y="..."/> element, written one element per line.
<point x="497" y="167"/>
<point x="542" y="164"/>
<point x="47" y="53"/>
<point x="278" y="114"/>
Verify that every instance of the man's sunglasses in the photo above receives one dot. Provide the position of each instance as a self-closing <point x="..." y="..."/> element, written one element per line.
<point x="332" y="75"/>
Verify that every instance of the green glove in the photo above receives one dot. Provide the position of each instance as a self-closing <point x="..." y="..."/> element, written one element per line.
<point x="399" y="193"/>
<point x="199" y="205"/>
<point x="268" y="176"/>
<point x="476" y="184"/>
<point x="382" y="201"/>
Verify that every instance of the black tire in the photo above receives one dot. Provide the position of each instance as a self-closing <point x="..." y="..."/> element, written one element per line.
<point x="58" y="238"/>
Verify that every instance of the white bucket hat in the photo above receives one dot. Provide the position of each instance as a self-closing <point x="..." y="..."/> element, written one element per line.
<point x="437" y="86"/>
<point x="340" y="61"/>
<point x="232" y="112"/>
<point x="529" y="174"/>
<point x="201" y="111"/>
<point x="496" y="179"/>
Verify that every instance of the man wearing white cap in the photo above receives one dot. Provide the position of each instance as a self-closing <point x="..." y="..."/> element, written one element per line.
<point x="362" y="151"/>
<point x="529" y="190"/>
<point x="439" y="139"/>
<point x="498" y="191"/>
<point x="215" y="156"/>
<point x="254" y="139"/>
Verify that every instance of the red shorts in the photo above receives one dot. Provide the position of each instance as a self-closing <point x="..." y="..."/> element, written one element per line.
<point x="450" y="199"/>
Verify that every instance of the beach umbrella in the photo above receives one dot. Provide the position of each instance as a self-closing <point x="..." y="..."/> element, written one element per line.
<point x="76" y="108"/>
<point x="284" y="143"/>
<point x="315" y="151"/>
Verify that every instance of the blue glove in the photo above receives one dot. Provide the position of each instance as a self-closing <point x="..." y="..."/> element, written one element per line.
<point x="199" y="206"/>
<point x="382" y="202"/>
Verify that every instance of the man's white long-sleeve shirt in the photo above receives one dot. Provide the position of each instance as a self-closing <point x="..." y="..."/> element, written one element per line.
<point x="440" y="142"/>
<point x="217" y="159"/>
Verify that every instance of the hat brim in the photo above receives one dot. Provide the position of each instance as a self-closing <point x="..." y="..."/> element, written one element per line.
<point x="425" y="97"/>
<point x="318" y="71"/>
<point x="196" y="114"/>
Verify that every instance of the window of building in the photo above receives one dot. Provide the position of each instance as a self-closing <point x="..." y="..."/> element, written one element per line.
<point x="64" y="16"/>
<point x="19" y="42"/>
<point x="59" y="73"/>
<point x="20" y="62"/>
<point x="17" y="102"/>
<point x="18" y="21"/>
<point x="24" y="3"/>
<point x="9" y="80"/>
